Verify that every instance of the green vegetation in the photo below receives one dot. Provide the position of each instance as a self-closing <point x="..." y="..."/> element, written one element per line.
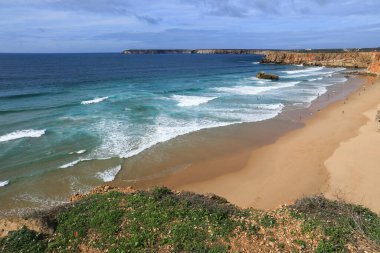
<point x="341" y="223"/>
<point x="23" y="240"/>
<point x="166" y="221"/>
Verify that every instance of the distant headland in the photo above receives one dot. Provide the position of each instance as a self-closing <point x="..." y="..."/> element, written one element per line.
<point x="365" y="58"/>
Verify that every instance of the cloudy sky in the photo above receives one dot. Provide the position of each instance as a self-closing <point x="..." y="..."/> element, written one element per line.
<point x="114" y="25"/>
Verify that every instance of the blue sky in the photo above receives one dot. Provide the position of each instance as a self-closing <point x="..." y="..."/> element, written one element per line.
<point x="114" y="25"/>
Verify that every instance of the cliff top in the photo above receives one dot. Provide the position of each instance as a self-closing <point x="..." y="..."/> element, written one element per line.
<point x="160" y="220"/>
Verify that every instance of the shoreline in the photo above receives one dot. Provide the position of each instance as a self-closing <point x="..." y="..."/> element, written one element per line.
<point x="294" y="163"/>
<point x="207" y="154"/>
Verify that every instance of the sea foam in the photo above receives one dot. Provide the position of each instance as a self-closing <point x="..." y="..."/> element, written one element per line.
<point x="70" y="164"/>
<point x="109" y="175"/>
<point x="94" y="101"/>
<point x="298" y="71"/>
<point x="4" y="183"/>
<point x="28" y="133"/>
<point x="253" y="90"/>
<point x="191" y="100"/>
<point x="78" y="152"/>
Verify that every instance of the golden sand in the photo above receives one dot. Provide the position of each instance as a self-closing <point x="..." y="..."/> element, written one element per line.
<point x="337" y="153"/>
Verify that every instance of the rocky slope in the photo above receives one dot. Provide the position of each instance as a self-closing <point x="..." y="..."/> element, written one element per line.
<point x="369" y="60"/>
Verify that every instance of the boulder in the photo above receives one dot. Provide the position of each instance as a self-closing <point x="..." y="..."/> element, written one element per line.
<point x="263" y="75"/>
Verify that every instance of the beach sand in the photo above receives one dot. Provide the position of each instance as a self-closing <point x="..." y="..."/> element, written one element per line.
<point x="335" y="153"/>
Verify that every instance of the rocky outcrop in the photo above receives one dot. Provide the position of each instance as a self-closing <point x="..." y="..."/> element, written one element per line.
<point x="348" y="60"/>
<point x="263" y="75"/>
<point x="369" y="60"/>
<point x="374" y="67"/>
<point x="101" y="190"/>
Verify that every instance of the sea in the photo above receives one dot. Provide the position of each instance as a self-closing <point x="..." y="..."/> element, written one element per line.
<point x="71" y="120"/>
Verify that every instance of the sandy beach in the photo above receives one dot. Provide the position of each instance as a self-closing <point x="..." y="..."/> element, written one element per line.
<point x="335" y="154"/>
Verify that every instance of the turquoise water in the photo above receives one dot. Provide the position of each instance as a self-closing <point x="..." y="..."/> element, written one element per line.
<point x="60" y="110"/>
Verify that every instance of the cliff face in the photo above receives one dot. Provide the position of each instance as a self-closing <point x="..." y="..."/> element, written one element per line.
<point x="374" y="67"/>
<point x="369" y="60"/>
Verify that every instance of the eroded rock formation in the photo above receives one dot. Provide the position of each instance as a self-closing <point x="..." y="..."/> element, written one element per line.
<point x="369" y="60"/>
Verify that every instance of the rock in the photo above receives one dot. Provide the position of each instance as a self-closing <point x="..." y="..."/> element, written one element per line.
<point x="15" y="223"/>
<point x="263" y="75"/>
<point x="369" y="60"/>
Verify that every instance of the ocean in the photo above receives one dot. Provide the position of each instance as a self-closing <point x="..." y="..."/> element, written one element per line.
<point x="71" y="120"/>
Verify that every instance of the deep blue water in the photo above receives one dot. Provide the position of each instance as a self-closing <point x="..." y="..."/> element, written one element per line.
<point x="59" y="109"/>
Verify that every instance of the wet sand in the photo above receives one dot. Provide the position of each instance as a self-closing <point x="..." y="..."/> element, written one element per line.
<point x="294" y="165"/>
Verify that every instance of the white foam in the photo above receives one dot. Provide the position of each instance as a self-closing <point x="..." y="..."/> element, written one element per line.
<point x="94" y="101"/>
<point x="70" y="164"/>
<point x="4" y="183"/>
<point x="253" y="90"/>
<point x="314" y="69"/>
<point x="28" y="133"/>
<point x="256" y="62"/>
<point x="315" y="79"/>
<point x="191" y="100"/>
<point x="109" y="175"/>
<point x="126" y="140"/>
<point x="78" y="152"/>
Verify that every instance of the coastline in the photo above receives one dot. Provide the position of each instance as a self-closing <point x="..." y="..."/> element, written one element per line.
<point x="291" y="167"/>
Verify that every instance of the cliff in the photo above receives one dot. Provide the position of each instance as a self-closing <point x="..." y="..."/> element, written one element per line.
<point x="374" y="67"/>
<point x="364" y="58"/>
<point x="369" y="60"/>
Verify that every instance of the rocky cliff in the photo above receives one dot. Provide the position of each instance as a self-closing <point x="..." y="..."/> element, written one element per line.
<point x="374" y="67"/>
<point x="369" y="60"/>
<point x="330" y="58"/>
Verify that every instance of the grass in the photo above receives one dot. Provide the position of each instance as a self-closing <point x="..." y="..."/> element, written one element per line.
<point x="23" y="241"/>
<point x="162" y="220"/>
<point x="339" y="222"/>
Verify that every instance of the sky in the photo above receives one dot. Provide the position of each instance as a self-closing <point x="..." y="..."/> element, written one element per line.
<point x="114" y="25"/>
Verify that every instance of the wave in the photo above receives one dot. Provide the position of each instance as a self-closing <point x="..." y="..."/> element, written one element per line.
<point x="256" y="62"/>
<point x="93" y="101"/>
<point x="70" y="164"/>
<point x="254" y="90"/>
<point x="121" y="140"/>
<point x="27" y="95"/>
<point x="78" y="152"/>
<point x="315" y="79"/>
<point x="28" y="133"/>
<point x="4" y="183"/>
<point x="191" y="100"/>
<point x="314" y="69"/>
<point x="109" y="175"/>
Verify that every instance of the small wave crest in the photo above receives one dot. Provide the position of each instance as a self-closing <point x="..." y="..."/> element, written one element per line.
<point x="191" y="100"/>
<point x="70" y="164"/>
<point x="93" y="101"/>
<point x="253" y="90"/>
<point x="4" y="183"/>
<point x="27" y="133"/>
<point x="299" y="71"/>
<point x="109" y="175"/>
<point x="78" y="152"/>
